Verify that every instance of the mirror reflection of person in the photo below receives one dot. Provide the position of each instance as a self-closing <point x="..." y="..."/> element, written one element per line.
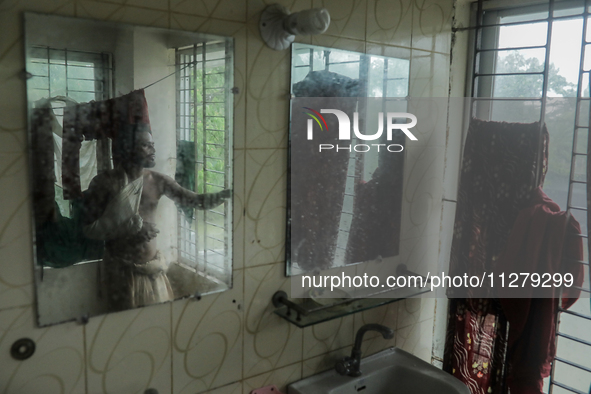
<point x="120" y="209"/>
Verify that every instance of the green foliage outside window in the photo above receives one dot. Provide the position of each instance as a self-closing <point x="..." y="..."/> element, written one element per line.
<point x="210" y="141"/>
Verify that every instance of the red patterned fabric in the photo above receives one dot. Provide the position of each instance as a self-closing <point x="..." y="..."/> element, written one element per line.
<point x="476" y="344"/>
<point x="541" y="238"/>
<point x="499" y="172"/>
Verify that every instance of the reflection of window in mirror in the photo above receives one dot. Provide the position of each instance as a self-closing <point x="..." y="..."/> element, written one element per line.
<point x="96" y="109"/>
<point x="69" y="77"/>
<point x="203" y="149"/>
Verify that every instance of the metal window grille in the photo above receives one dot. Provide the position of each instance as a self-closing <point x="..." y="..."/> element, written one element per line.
<point x="81" y="76"/>
<point x="203" y="121"/>
<point x="571" y="369"/>
<point x="78" y="75"/>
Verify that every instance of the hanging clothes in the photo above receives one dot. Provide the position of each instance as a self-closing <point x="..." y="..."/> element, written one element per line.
<point x="43" y="126"/>
<point x="61" y="243"/>
<point x="544" y="239"/>
<point x="321" y="182"/>
<point x="476" y="344"/>
<point x="498" y="175"/>
<point x="58" y="228"/>
<point x="377" y="208"/>
<point x="98" y="120"/>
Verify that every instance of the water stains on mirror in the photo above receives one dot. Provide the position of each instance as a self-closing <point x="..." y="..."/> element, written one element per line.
<point x="131" y="155"/>
<point x="344" y="203"/>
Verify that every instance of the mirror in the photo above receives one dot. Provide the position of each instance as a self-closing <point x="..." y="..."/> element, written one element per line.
<point x="345" y="197"/>
<point x="131" y="155"/>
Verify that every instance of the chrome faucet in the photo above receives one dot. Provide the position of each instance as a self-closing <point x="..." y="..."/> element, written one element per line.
<point x="351" y="365"/>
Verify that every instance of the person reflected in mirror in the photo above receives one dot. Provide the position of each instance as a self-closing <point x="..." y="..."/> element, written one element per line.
<point x="120" y="207"/>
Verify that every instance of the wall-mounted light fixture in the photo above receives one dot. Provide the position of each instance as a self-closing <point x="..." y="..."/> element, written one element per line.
<point x="279" y="27"/>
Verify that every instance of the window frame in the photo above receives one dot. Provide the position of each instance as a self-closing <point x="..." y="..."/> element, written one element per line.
<point x="200" y="259"/>
<point x="484" y="16"/>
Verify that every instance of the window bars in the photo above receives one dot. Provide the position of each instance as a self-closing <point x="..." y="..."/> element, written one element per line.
<point x="81" y="76"/>
<point x="203" y="124"/>
<point x="571" y="369"/>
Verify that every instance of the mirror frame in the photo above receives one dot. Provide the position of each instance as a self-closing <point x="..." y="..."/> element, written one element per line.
<point x="41" y="27"/>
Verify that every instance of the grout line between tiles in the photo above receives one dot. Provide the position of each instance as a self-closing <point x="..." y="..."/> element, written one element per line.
<point x="85" y="359"/>
<point x="32" y="305"/>
<point x="244" y="202"/>
<point x="209" y="18"/>
<point x="264" y="265"/>
<point x="171" y="338"/>
<point x="211" y="389"/>
<point x="270" y="148"/>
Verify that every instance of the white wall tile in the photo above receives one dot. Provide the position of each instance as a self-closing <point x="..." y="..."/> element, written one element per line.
<point x="420" y="254"/>
<point x="265" y="201"/>
<point x="207" y="340"/>
<point x="269" y="341"/>
<point x="331" y="335"/>
<point x="432" y="114"/>
<point x="417" y="339"/>
<point x="431" y="27"/>
<point x="220" y="9"/>
<point x="415" y="310"/>
<point x="129" y="351"/>
<point x="429" y="74"/>
<point x="280" y="377"/>
<point x="347" y="17"/>
<point x="238" y="209"/>
<point x="267" y="100"/>
<point x="122" y="13"/>
<point x="161" y="5"/>
<point x="387" y="50"/>
<point x="58" y="364"/>
<point x="389" y="22"/>
<point x="325" y="362"/>
<point x="233" y="388"/>
<point x="422" y="193"/>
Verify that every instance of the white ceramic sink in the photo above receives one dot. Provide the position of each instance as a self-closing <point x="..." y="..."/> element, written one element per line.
<point x="391" y="371"/>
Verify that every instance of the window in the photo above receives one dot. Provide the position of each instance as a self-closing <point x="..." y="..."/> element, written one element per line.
<point x="204" y="155"/>
<point x="533" y="63"/>
<point x="81" y="76"/>
<point x="78" y="76"/>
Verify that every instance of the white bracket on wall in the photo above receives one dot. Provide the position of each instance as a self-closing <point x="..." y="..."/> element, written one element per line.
<point x="279" y="27"/>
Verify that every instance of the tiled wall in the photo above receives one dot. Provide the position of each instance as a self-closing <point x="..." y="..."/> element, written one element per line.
<point x="230" y="342"/>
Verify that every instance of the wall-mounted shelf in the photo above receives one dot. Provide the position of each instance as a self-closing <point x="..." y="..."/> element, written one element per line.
<point x="307" y="312"/>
